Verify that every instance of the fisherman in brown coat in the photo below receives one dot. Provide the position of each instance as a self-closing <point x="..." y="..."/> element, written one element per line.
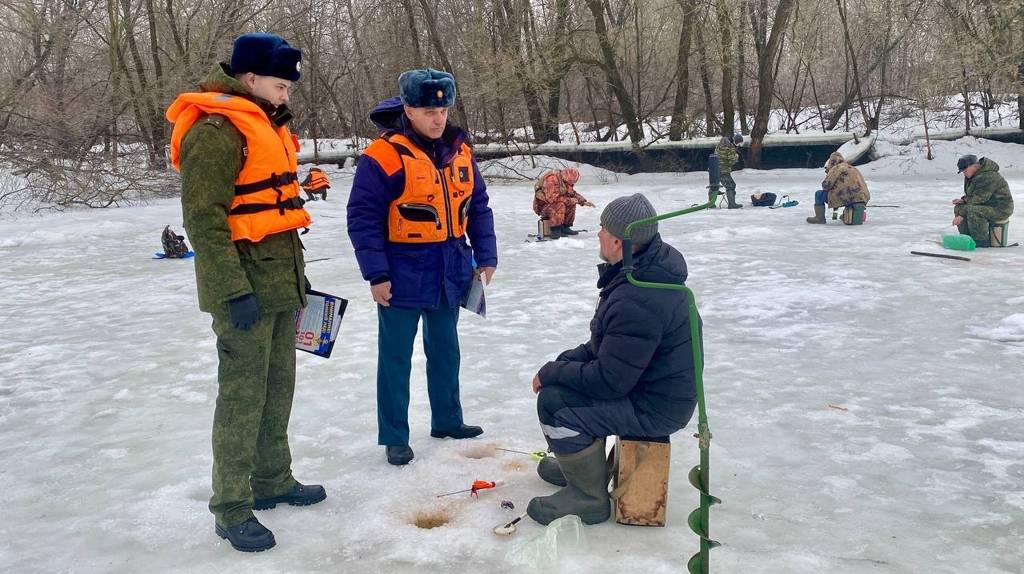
<point x="843" y="187"/>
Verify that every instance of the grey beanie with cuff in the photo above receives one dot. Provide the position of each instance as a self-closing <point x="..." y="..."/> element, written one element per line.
<point x="625" y="210"/>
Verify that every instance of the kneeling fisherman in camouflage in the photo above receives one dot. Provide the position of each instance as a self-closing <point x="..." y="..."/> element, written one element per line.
<point x="240" y="198"/>
<point x="635" y="376"/>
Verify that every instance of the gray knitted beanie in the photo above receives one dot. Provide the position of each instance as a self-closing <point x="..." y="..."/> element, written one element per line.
<point x="625" y="210"/>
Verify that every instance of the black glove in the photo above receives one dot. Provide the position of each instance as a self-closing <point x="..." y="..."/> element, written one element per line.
<point x="244" y="312"/>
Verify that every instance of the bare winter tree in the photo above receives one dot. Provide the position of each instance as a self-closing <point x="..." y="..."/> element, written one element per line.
<point x="84" y="83"/>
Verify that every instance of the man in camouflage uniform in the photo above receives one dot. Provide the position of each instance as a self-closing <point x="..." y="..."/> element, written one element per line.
<point x="252" y="288"/>
<point x="843" y="187"/>
<point x="555" y="199"/>
<point x="986" y="198"/>
<point x="727" y="158"/>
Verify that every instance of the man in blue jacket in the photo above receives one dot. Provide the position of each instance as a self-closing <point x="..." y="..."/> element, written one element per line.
<point x="416" y="198"/>
<point x="635" y="377"/>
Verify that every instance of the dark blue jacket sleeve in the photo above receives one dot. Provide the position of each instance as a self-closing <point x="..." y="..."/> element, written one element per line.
<point x="481" y="224"/>
<point x="632" y="333"/>
<point x="368" y="203"/>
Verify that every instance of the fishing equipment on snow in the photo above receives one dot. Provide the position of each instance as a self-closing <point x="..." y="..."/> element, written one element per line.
<point x="473" y="491"/>
<point x="509" y="528"/>
<point x="508" y="505"/>
<point x="536" y="455"/>
<point x="763" y="199"/>
<point x="959" y="242"/>
<point x="786" y="202"/>
<point x="940" y="255"/>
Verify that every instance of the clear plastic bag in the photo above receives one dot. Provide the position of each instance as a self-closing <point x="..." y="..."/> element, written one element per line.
<point x="562" y="536"/>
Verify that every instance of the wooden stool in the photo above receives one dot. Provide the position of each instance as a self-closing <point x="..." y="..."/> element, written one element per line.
<point x="998" y="235"/>
<point x="640" y="480"/>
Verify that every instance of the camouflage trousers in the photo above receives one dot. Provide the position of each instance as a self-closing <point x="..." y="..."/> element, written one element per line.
<point x="562" y="212"/>
<point x="727" y="181"/>
<point x="977" y="219"/>
<point x="256" y="382"/>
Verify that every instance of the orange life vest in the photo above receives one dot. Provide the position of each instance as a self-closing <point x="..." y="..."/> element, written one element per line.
<point x="434" y="204"/>
<point x="316" y="180"/>
<point x="266" y="189"/>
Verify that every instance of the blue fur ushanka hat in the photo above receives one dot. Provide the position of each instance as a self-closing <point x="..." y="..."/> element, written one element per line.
<point x="266" y="55"/>
<point x="427" y="88"/>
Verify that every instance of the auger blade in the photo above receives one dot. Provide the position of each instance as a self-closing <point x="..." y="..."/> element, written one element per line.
<point x="695" y="480"/>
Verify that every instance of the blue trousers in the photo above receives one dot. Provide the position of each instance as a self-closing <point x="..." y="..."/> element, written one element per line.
<point x="571" y="421"/>
<point x="820" y="197"/>
<point x="396" y="333"/>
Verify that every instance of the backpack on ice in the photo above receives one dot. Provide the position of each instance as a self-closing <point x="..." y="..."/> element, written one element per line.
<point x="763" y="199"/>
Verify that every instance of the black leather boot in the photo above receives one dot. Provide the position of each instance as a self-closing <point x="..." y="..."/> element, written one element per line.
<point x="299" y="495"/>
<point x="249" y="536"/>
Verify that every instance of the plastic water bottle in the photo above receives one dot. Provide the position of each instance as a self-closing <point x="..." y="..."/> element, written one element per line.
<point x="959" y="242"/>
<point x="562" y="536"/>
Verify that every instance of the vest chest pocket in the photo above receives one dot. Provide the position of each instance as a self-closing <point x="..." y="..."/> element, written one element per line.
<point x="460" y="176"/>
<point x="414" y="222"/>
<point x="420" y="213"/>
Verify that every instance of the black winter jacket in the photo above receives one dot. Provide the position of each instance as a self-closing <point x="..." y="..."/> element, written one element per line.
<point x="640" y="343"/>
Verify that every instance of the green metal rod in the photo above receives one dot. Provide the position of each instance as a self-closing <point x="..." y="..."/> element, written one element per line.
<point x="703" y="432"/>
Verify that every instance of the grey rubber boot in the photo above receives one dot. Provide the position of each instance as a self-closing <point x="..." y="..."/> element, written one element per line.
<point x="550" y="471"/>
<point x="819" y="214"/>
<point x="730" y="196"/>
<point x="585" y="496"/>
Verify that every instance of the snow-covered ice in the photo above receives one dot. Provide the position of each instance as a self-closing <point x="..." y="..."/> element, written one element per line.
<point x="109" y="377"/>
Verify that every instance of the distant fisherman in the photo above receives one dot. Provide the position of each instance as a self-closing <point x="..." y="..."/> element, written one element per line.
<point x="986" y="199"/>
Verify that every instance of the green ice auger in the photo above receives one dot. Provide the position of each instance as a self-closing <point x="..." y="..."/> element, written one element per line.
<point x="699" y="475"/>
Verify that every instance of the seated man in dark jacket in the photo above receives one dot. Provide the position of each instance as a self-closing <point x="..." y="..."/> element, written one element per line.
<point x="635" y="377"/>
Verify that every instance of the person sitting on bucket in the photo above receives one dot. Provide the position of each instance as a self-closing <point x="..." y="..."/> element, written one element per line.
<point x="986" y="198"/>
<point x="555" y="199"/>
<point x="174" y="244"/>
<point x="634" y="377"/>
<point x="843" y="187"/>
<point x="316" y="183"/>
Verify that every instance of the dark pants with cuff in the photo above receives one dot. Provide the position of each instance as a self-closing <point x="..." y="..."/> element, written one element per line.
<point x="396" y="334"/>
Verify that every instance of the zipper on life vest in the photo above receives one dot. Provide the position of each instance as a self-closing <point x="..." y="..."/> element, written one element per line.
<point x="447" y="201"/>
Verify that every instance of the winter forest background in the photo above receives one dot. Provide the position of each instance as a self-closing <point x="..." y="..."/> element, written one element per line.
<point x="83" y="83"/>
